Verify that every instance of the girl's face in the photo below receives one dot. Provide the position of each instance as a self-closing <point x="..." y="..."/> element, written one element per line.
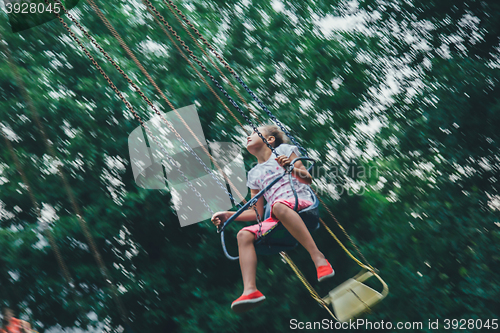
<point x="255" y="143"/>
<point x="253" y="139"/>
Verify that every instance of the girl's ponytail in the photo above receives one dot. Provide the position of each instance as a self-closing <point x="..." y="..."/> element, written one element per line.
<point x="279" y="136"/>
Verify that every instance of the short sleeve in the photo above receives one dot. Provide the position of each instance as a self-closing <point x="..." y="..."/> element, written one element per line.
<point x="287" y="150"/>
<point x="252" y="180"/>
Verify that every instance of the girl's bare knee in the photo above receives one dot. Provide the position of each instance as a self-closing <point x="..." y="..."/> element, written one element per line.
<point x="280" y="209"/>
<point x="245" y="236"/>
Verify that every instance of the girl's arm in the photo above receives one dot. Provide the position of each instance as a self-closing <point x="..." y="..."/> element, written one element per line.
<point x="299" y="171"/>
<point x="248" y="215"/>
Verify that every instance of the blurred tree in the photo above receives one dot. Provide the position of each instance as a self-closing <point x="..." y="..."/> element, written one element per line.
<point x="425" y="217"/>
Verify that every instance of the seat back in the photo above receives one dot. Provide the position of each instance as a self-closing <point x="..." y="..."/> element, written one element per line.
<point x="352" y="298"/>
<point x="279" y="239"/>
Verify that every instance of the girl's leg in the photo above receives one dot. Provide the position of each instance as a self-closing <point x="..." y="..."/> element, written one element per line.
<point x="293" y="223"/>
<point x="248" y="260"/>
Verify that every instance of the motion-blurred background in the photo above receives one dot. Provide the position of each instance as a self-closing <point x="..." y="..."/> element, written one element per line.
<point x="398" y="101"/>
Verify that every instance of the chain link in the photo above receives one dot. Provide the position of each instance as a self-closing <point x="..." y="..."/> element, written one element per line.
<point x="148" y="76"/>
<point x="138" y="90"/>
<point x="274" y="119"/>
<point x="127" y="104"/>
<point x="237" y="77"/>
<point x="212" y="78"/>
<point x="259" y="220"/>
<point x="314" y="294"/>
<point x="170" y="7"/>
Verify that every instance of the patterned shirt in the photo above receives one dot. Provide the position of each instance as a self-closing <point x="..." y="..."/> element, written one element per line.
<point x="264" y="173"/>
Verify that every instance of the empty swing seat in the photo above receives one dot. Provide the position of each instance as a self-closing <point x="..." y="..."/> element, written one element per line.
<point x="278" y="238"/>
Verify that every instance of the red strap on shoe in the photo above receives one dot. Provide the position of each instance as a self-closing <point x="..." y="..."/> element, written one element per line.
<point x="255" y="294"/>
<point x="324" y="270"/>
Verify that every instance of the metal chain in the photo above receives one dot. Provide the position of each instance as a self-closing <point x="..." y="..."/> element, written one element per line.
<point x="275" y="120"/>
<point x="212" y="62"/>
<point x="169" y="124"/>
<point x="242" y="198"/>
<point x="138" y="90"/>
<point x="173" y="32"/>
<point x="150" y="79"/>
<point x="278" y="123"/>
<point x="129" y="107"/>
<point x="259" y="220"/>
<point x="314" y="294"/>
<point x="226" y="65"/>
<point x="76" y="209"/>
<point x="141" y="67"/>
<point x="236" y="76"/>
<point x="366" y="262"/>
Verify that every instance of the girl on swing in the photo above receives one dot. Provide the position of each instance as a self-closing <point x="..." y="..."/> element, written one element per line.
<point x="281" y="197"/>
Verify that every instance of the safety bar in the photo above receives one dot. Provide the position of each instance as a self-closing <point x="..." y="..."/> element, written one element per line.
<point x="254" y="200"/>
<point x="249" y="203"/>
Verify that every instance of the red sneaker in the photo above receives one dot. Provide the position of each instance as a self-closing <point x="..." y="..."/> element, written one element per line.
<point x="324" y="272"/>
<point x="248" y="302"/>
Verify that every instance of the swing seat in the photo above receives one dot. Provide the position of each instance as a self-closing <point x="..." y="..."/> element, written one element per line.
<point x="278" y="238"/>
<point x="352" y="298"/>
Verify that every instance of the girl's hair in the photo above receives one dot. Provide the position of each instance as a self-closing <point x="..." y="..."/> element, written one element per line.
<point x="279" y="136"/>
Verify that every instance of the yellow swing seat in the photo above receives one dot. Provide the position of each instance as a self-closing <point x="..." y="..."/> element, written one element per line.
<point x="353" y="297"/>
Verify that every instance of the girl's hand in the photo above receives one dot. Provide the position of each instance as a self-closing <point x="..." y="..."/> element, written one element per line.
<point x="25" y="327"/>
<point x="283" y="160"/>
<point x="219" y="218"/>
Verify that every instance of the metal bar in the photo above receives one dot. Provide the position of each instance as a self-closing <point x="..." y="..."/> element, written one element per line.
<point x="254" y="200"/>
<point x="251" y="202"/>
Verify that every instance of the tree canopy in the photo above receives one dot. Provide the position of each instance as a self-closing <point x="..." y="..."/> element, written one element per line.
<point x="396" y="100"/>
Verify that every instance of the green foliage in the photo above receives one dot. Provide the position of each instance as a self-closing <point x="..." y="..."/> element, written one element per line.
<point x="427" y="218"/>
